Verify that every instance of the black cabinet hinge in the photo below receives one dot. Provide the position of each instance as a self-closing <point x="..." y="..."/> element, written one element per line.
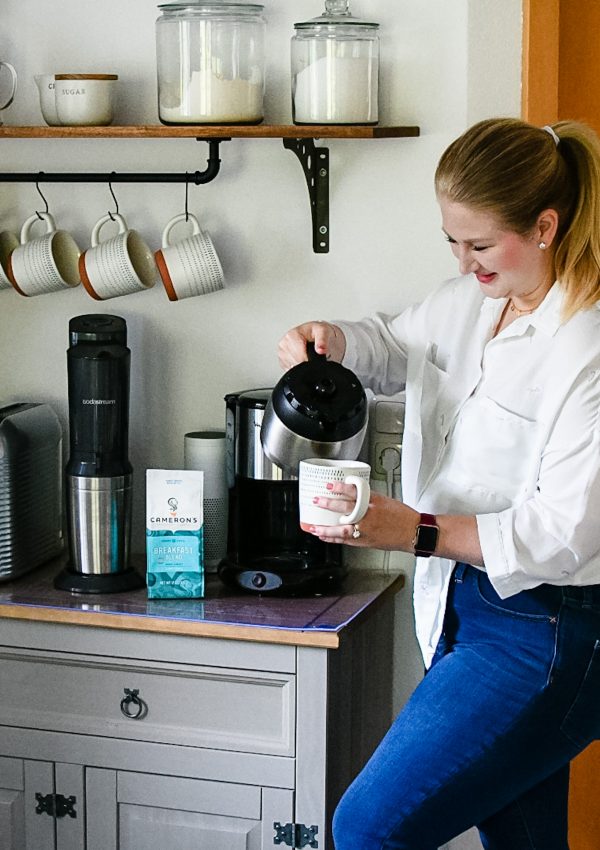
<point x="55" y="805"/>
<point x="295" y="835"/>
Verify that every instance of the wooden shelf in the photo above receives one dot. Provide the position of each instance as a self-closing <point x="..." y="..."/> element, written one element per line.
<point x="298" y="138"/>
<point x="217" y="131"/>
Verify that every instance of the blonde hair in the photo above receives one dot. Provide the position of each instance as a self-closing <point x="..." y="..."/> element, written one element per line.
<point x="514" y="170"/>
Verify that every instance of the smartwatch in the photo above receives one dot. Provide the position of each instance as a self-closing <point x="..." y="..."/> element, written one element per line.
<point x="426" y="536"/>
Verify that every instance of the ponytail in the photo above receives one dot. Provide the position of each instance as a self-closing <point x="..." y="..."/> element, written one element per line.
<point x="577" y="256"/>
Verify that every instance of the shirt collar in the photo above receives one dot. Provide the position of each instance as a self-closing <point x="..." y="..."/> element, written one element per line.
<point x="547" y="317"/>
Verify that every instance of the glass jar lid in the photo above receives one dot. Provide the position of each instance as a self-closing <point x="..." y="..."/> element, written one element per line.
<point x="337" y="12"/>
<point x="213" y="7"/>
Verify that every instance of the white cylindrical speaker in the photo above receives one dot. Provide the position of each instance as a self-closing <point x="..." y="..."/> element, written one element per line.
<point x="205" y="450"/>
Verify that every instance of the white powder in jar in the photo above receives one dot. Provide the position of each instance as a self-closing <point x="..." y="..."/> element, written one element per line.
<point x="210" y="97"/>
<point x="336" y="90"/>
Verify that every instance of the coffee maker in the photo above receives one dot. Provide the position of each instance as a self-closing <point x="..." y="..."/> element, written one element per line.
<point x="267" y="551"/>
<point x="98" y="472"/>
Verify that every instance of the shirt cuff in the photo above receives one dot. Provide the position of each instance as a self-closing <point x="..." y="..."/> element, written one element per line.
<point x="493" y="550"/>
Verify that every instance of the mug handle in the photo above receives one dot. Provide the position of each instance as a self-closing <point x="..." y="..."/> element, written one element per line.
<point x="363" y="494"/>
<point x="13" y="90"/>
<point x="47" y="217"/>
<point x="95" y="239"/>
<point x="175" y="220"/>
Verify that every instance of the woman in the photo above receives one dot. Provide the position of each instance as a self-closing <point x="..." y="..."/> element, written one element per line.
<point x="501" y="489"/>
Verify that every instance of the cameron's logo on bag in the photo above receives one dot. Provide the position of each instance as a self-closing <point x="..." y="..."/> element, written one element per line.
<point x="178" y="520"/>
<point x="98" y="401"/>
<point x="172" y="518"/>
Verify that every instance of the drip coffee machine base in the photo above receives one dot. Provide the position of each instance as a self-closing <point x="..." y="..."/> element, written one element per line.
<point x="282" y="575"/>
<point x="267" y="551"/>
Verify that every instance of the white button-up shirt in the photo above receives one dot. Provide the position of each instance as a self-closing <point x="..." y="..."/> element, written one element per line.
<point x="505" y="428"/>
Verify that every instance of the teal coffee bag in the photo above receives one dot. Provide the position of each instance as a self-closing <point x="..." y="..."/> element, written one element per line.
<point x="174" y="533"/>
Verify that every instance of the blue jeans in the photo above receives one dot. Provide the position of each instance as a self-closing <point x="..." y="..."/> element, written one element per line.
<point x="486" y="739"/>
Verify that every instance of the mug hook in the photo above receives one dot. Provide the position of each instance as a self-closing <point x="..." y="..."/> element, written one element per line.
<point x="187" y="186"/>
<point x="37" y="186"/>
<point x="112" y="217"/>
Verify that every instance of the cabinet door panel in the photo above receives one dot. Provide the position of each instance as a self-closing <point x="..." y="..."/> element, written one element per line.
<point x="70" y="831"/>
<point x="12" y="822"/>
<point x="39" y="827"/>
<point x="101" y="809"/>
<point x="147" y="828"/>
<point x="11" y="773"/>
<point x="194" y="795"/>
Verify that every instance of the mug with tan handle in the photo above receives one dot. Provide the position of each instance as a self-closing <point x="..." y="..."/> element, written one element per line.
<point x="189" y="266"/>
<point x="119" y="265"/>
<point x="46" y="263"/>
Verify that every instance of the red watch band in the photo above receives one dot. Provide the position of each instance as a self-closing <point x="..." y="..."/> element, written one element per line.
<point x="426" y="536"/>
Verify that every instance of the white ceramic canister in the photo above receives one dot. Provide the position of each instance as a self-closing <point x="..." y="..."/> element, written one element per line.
<point x="85" y="100"/>
<point x="210" y="62"/>
<point x="335" y="68"/>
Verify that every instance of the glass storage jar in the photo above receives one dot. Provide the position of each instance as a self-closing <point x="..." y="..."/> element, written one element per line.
<point x="210" y="62"/>
<point x="335" y="68"/>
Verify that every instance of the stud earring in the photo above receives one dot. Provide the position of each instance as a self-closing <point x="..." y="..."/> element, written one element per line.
<point x="542" y="246"/>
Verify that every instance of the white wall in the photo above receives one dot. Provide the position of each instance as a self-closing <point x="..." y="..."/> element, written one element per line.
<point x="445" y="64"/>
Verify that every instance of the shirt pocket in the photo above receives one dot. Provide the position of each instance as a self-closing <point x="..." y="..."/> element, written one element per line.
<point x="433" y="414"/>
<point x="434" y="400"/>
<point x="495" y="449"/>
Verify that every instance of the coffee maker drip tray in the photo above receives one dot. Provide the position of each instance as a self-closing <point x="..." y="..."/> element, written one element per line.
<point x="288" y="574"/>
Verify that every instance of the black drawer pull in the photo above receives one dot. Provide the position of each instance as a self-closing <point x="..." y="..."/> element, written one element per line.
<point x="132" y="698"/>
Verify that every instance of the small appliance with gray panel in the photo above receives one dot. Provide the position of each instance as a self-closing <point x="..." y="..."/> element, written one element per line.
<point x="30" y="487"/>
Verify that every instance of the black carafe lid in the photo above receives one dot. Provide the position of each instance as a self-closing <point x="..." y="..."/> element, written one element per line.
<point x="320" y="400"/>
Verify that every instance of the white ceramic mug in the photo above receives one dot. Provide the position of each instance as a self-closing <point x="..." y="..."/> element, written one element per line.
<point x="46" y="84"/>
<point x="85" y="100"/>
<point x="118" y="265"/>
<point x="46" y="263"/>
<point x="314" y="476"/>
<point x="190" y="266"/>
<point x="8" y="243"/>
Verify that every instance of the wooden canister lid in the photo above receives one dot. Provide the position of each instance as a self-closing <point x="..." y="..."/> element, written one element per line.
<point x="86" y="76"/>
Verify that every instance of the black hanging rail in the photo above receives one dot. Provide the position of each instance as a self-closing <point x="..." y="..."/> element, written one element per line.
<point x="196" y="177"/>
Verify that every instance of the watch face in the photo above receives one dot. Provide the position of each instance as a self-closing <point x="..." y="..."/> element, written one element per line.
<point x="426" y="538"/>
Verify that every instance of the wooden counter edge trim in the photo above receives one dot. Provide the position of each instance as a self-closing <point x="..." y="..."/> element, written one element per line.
<point x="258" y="634"/>
<point x="346" y="628"/>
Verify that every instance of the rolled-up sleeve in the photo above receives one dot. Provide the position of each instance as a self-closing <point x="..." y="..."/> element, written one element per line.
<point x="554" y="535"/>
<point x="376" y="351"/>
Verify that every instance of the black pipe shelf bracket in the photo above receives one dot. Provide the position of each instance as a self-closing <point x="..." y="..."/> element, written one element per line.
<point x="314" y="161"/>
<point x="196" y="177"/>
<point x="315" y="164"/>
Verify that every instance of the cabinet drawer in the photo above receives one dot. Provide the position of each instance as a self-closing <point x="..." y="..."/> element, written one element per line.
<point x="214" y="707"/>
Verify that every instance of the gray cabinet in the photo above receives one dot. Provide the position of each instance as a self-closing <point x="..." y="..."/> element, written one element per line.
<point x="29" y="800"/>
<point x="119" y="739"/>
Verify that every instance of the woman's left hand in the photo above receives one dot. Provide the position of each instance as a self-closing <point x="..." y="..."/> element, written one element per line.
<point x="388" y="523"/>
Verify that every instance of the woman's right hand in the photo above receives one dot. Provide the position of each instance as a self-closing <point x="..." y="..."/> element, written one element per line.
<point x="327" y="337"/>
